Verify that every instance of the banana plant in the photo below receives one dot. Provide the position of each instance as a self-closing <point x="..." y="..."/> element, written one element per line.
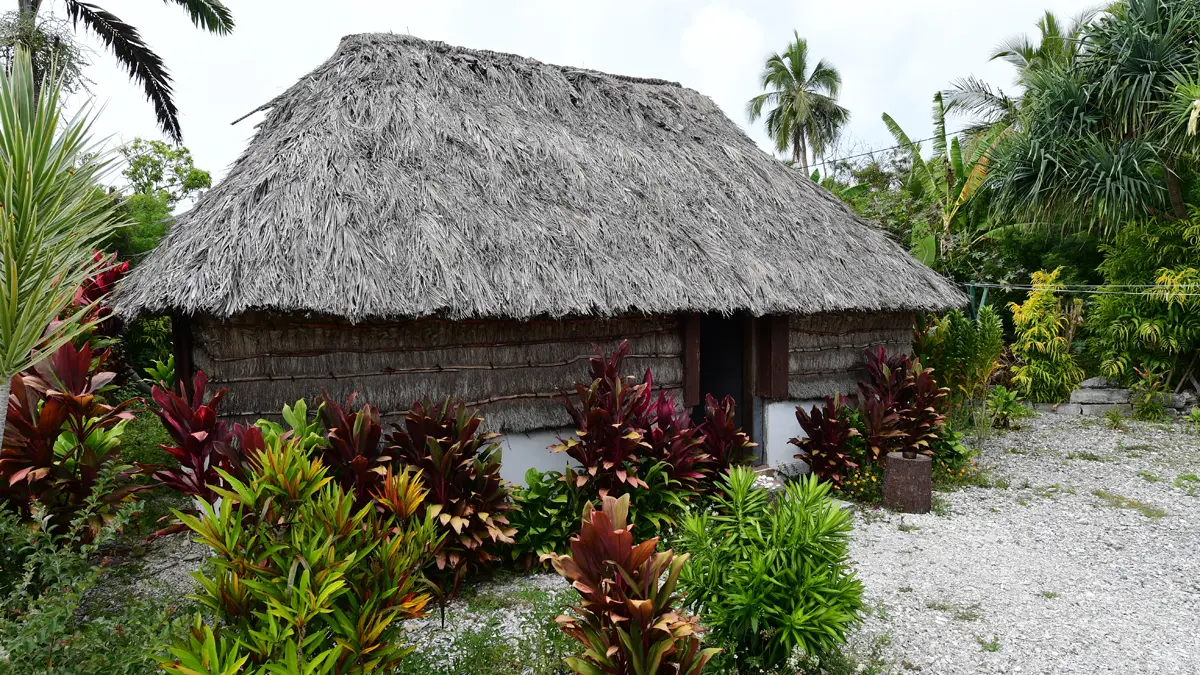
<point x="953" y="175"/>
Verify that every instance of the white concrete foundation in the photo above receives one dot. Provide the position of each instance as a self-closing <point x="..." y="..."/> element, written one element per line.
<point x="531" y="450"/>
<point x="780" y="426"/>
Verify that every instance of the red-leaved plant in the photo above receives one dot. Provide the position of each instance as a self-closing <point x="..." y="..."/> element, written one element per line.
<point x="201" y="441"/>
<point x="826" y="445"/>
<point x="901" y="405"/>
<point x="669" y="437"/>
<point x="99" y="287"/>
<point x="60" y="436"/>
<point x="352" y="450"/>
<point x="725" y="444"/>
<point x="460" y="467"/>
<point x="626" y="621"/>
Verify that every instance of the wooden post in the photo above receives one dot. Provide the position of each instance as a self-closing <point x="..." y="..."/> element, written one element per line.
<point x="773" y="357"/>
<point x="691" y="360"/>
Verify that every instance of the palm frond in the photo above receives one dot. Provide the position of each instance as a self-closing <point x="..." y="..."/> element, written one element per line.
<point x="210" y="15"/>
<point x="144" y="66"/>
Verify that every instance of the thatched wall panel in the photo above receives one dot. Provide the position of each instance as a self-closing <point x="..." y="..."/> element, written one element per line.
<point x="512" y="370"/>
<point x="825" y="352"/>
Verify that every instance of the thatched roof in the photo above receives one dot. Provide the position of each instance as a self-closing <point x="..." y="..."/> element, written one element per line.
<point x="406" y="178"/>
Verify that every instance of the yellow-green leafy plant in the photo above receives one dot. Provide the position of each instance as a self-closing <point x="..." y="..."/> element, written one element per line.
<point x="1047" y="371"/>
<point x="303" y="581"/>
<point x="963" y="353"/>
<point x="626" y="619"/>
<point x="1149" y="396"/>
<point x="771" y="577"/>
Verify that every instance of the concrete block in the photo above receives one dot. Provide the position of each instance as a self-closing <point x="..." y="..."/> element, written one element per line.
<point x="1097" y="383"/>
<point x="1100" y="396"/>
<point x="1069" y="409"/>
<point x="1101" y="409"/>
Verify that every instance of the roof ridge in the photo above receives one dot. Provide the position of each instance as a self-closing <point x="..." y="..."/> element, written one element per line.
<point x="446" y="47"/>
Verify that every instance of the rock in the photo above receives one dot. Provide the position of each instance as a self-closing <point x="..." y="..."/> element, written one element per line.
<point x="1101" y="409"/>
<point x="1096" y="383"/>
<point x="1183" y="401"/>
<point x="1069" y="409"/>
<point x="1100" y="396"/>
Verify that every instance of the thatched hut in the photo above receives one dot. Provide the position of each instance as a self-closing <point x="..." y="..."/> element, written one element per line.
<point x="414" y="218"/>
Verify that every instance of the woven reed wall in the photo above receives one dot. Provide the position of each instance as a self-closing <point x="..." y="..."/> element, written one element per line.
<point x="825" y="351"/>
<point x="512" y="370"/>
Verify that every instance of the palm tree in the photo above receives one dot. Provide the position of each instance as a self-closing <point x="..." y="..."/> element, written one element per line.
<point x="52" y="213"/>
<point x="1058" y="44"/>
<point x="126" y="44"/>
<point x="804" y="114"/>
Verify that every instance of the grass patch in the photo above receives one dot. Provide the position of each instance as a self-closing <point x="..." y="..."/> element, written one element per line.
<point x="1022" y="501"/>
<point x="958" y="612"/>
<point x="909" y="665"/>
<point x="1189" y="483"/>
<point x="1149" y="476"/>
<point x="1016" y="451"/>
<point x="1001" y="484"/>
<point x="905" y="589"/>
<point x="1087" y="456"/>
<point x="846" y="661"/>
<point x="141" y="440"/>
<point x="1049" y="595"/>
<point x="1117" y="501"/>
<point x="905" y="527"/>
<point x="992" y="645"/>
<point x="1052" y="491"/>
<point x="940" y="506"/>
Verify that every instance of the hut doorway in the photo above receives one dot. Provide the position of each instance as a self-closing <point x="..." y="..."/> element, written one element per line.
<point x="725" y="365"/>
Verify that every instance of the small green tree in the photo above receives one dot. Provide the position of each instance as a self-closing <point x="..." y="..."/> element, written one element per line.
<point x="52" y="215"/>
<point x="160" y="176"/>
<point x="1047" y="372"/>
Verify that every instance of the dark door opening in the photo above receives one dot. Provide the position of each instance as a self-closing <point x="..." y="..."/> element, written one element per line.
<point x="723" y="362"/>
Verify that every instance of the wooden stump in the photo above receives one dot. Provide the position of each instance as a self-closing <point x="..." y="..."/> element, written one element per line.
<point x="908" y="483"/>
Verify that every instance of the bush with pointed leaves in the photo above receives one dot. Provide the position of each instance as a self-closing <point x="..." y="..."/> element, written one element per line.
<point x="826" y="444"/>
<point x="352" y="450"/>
<point x="626" y="621"/>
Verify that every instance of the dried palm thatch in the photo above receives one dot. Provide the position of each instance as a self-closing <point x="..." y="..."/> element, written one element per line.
<point x="406" y="178"/>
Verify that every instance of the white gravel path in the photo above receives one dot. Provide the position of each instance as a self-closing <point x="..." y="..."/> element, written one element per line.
<point x="1039" y="573"/>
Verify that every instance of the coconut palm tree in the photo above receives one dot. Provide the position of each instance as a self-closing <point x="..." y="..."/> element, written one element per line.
<point x="52" y="213"/>
<point x="803" y="114"/>
<point x="145" y="67"/>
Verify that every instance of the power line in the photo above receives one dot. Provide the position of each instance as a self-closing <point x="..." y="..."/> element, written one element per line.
<point x="872" y="152"/>
<point x="1098" y="290"/>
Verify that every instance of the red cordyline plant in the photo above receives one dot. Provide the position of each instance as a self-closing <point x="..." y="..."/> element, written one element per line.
<point x="901" y="405"/>
<point x="60" y="436"/>
<point x="626" y="621"/>
<point x="826" y="445"/>
<point x="670" y="437"/>
<point x="202" y="441"/>
<point x="725" y="444"/>
<point x="352" y="450"/>
<point x="99" y="287"/>
<point x="460" y="467"/>
<point x="610" y="420"/>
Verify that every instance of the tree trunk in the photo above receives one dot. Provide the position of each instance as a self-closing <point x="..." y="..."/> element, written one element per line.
<point x="802" y="147"/>
<point x="1175" y="189"/>
<point x="4" y="391"/>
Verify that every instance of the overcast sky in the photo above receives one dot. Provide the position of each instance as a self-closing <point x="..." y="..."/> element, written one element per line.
<point x="893" y="55"/>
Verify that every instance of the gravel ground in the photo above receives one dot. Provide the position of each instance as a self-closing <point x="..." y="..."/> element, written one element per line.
<point x="1082" y="557"/>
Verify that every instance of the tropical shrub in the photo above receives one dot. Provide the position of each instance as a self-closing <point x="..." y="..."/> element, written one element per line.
<point x="1149" y="396"/>
<point x="901" y="405"/>
<point x="146" y="340"/>
<point x="1004" y="408"/>
<point x="626" y="621"/>
<point x="771" y="577"/>
<point x="460" y="466"/>
<point x="61" y="436"/>
<point x="94" y="290"/>
<point x="302" y="580"/>
<point x="826" y="444"/>
<point x="49" y="579"/>
<point x="352" y="451"/>
<point x="202" y="441"/>
<point x="963" y="353"/>
<point x="725" y="443"/>
<point x="1193" y="418"/>
<point x="1157" y="330"/>
<point x="543" y="515"/>
<point x="162" y="374"/>
<point x="1047" y="371"/>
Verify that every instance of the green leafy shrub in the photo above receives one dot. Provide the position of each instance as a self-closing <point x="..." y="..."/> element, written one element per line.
<point x="147" y="340"/>
<point x="302" y="580"/>
<point x="460" y="466"/>
<point x="162" y="373"/>
<point x="543" y="515"/>
<point x="626" y="621"/>
<point x="1193" y="418"/>
<point x="60" y="437"/>
<point x="1044" y="328"/>
<point x="825" y="446"/>
<point x="46" y="580"/>
<point x="1149" y="396"/>
<point x="1159" y="330"/>
<point x="771" y="577"/>
<point x="1004" y="408"/>
<point x="963" y="354"/>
